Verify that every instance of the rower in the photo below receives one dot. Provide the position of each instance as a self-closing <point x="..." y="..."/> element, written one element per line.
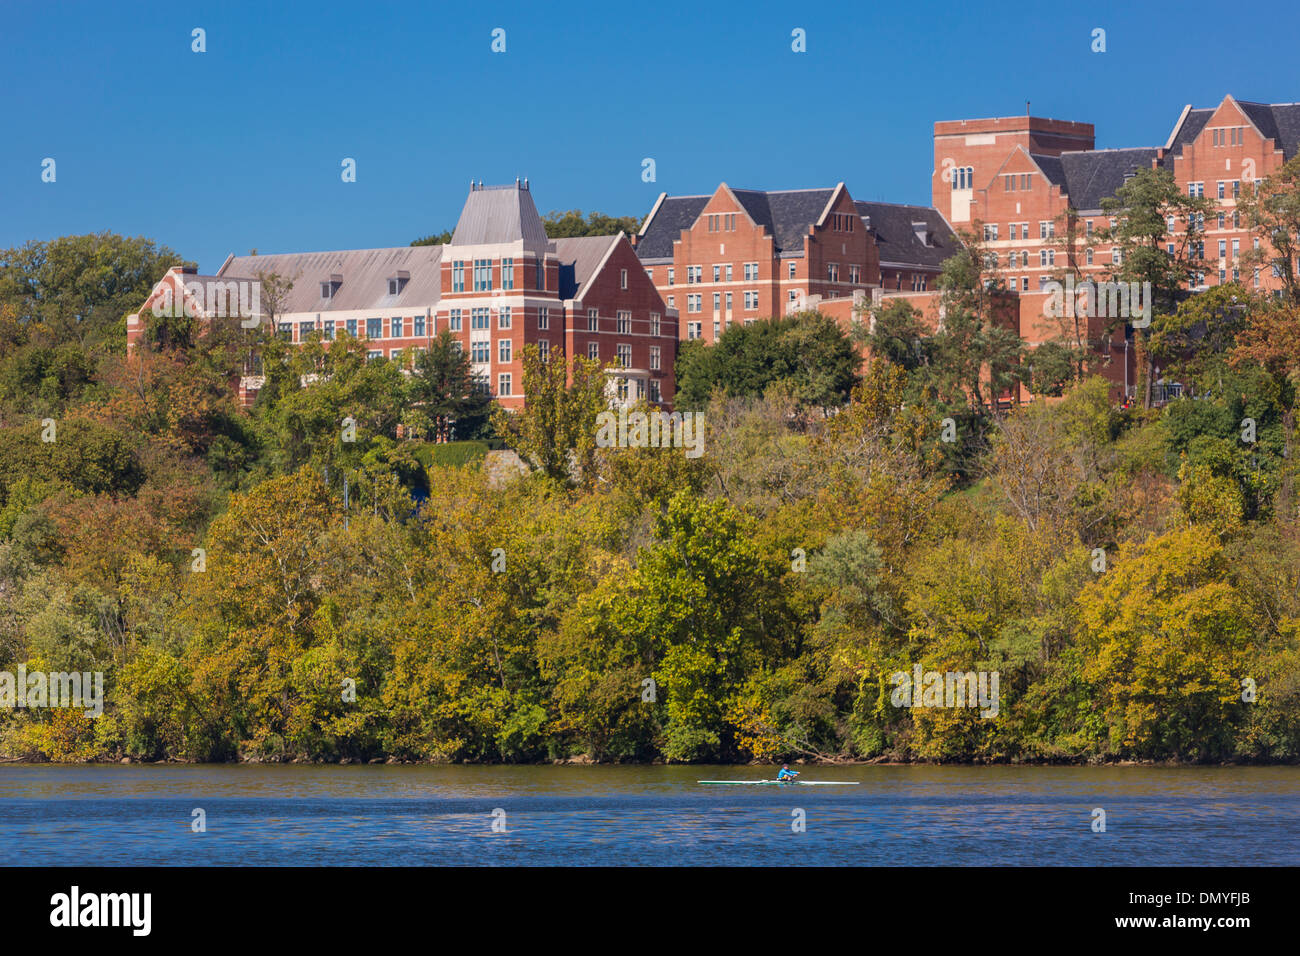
<point x="786" y="774"/>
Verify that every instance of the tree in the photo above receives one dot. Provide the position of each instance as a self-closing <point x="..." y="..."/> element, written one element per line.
<point x="443" y="391"/>
<point x="808" y="351"/>
<point x="1141" y="210"/>
<point x="1271" y="210"/>
<point x="562" y="225"/>
<point x="556" y="430"/>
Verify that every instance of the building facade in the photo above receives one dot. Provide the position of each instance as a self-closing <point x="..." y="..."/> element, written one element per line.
<point x="743" y="254"/>
<point x="498" y="286"/>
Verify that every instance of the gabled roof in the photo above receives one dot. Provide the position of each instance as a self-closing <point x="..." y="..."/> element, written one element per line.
<point x="665" y="224"/>
<point x="894" y="227"/>
<point x="1090" y="176"/>
<point x="365" y="275"/>
<point x="580" y="259"/>
<point x="498" y="214"/>
<point x="1278" y="121"/>
<point x="786" y="214"/>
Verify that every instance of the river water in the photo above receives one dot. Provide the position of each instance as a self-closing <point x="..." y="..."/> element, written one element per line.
<point x="636" y="816"/>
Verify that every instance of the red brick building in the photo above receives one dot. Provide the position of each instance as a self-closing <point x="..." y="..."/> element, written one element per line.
<point x="499" y="285"/>
<point x="743" y="254"/>
<point x="1024" y="185"/>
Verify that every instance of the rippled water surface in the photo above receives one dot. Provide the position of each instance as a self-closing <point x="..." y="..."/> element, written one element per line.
<point x="415" y="815"/>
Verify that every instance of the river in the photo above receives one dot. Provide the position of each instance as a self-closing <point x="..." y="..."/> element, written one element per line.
<point x="645" y="815"/>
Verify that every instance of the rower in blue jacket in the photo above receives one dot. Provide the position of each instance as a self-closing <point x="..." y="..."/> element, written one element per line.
<point x="786" y="775"/>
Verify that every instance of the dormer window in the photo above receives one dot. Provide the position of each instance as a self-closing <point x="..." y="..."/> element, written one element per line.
<point x="397" y="281"/>
<point x="330" y="286"/>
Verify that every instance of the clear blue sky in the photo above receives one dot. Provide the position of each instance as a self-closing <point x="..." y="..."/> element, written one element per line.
<point x="240" y="147"/>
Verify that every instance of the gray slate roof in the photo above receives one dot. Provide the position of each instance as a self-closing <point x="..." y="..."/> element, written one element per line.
<point x="675" y="214"/>
<point x="787" y="214"/>
<point x="498" y="214"/>
<point x="365" y="277"/>
<point x="1090" y="176"/>
<point x="1279" y="121"/>
<point x="579" y="256"/>
<point x="896" y="236"/>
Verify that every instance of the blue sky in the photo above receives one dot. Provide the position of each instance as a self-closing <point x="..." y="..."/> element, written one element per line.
<point x="240" y="147"/>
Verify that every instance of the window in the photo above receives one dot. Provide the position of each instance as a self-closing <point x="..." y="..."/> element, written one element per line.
<point x="479" y="319"/>
<point x="304" y="330"/>
<point x="1236" y="219"/>
<point x="1012" y="229"/>
<point x="962" y="177"/>
<point x="1171" y="221"/>
<point x="751" y="301"/>
<point x="694" y="303"/>
<point x="1046" y="257"/>
<point x="419" y="325"/>
<point x="792" y="266"/>
<point x="625" y="322"/>
<point x="694" y="274"/>
<point x="622" y="278"/>
<point x="694" y="330"/>
<point x="394" y="286"/>
<point x="1088" y="256"/>
<point x="727" y="268"/>
<point x="1223" y="248"/>
<point x="327" y="290"/>
<point x="503" y="317"/>
<point x="327" y="331"/>
<point x="544" y="349"/>
<point x="728" y="303"/>
<point x="504" y="347"/>
<point x="374" y="355"/>
<point x="670" y="275"/>
<point x="593" y="351"/>
<point x="480" y="352"/>
<point x="1170" y="249"/>
<point x="1046" y="229"/>
<point x="717" y="273"/>
<point x="352" y="327"/>
<point x="1196" y="189"/>
<point x="1220" y="188"/>
<point x="593" y="320"/>
<point x="544" y="318"/>
<point x="458" y="275"/>
<point x="833" y="272"/>
<point x="624" y="353"/>
<point x="1088" y="227"/>
<point x="1026" y="180"/>
<point x="671" y="303"/>
<point x="751" y="271"/>
<point x="482" y="275"/>
<point x="1009" y="184"/>
<point x="654" y="357"/>
<point x="654" y="323"/>
<point x="1236" y="189"/>
<point x="453" y="320"/>
<point x="1236" y="248"/>
<point x="717" y="301"/>
<point x="991" y="233"/>
<point x="507" y="273"/>
<point x="1116" y="257"/>
<point x="395" y="327"/>
<point x="503" y="385"/>
<point x="717" y="329"/>
<point x="654" y="390"/>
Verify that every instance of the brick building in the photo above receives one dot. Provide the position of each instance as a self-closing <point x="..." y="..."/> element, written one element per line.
<point x="745" y="254"/>
<point x="499" y="285"/>
<point x="1031" y="189"/>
